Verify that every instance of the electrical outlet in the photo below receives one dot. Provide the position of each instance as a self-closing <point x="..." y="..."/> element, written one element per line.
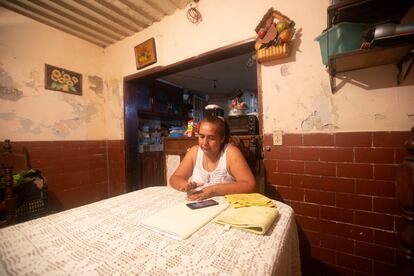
<point x="277" y="138"/>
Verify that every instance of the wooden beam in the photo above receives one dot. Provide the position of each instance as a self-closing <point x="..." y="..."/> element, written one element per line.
<point x="91" y="18"/>
<point x="75" y="20"/>
<point x="155" y="6"/>
<point x="138" y="10"/>
<point x="60" y="21"/>
<point x="106" y="15"/>
<point x="59" y="27"/>
<point x="117" y="10"/>
<point x="180" y="3"/>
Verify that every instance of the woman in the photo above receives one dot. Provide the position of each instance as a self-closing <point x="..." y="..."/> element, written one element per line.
<point x="216" y="167"/>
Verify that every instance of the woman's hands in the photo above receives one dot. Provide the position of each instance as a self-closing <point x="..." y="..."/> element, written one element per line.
<point x="198" y="191"/>
<point x="192" y="186"/>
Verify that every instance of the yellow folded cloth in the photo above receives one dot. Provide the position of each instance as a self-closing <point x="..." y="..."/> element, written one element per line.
<point x="256" y="219"/>
<point x="245" y="200"/>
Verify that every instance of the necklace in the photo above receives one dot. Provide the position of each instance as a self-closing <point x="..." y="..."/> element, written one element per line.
<point x="209" y="166"/>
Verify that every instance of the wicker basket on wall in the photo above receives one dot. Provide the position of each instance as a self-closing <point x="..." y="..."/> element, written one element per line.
<point x="273" y="52"/>
<point x="274" y="34"/>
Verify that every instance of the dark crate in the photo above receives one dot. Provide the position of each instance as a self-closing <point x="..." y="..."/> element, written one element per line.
<point x="32" y="205"/>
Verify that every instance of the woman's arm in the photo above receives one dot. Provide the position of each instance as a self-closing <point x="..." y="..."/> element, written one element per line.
<point x="179" y="179"/>
<point x="238" y="168"/>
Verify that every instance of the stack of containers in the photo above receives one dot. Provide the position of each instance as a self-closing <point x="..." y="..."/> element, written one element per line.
<point x="341" y="38"/>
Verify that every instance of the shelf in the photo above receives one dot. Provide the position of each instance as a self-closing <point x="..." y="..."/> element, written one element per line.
<point x="368" y="12"/>
<point x="359" y="59"/>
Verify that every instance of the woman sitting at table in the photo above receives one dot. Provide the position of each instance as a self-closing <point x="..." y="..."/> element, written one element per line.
<point x="216" y="167"/>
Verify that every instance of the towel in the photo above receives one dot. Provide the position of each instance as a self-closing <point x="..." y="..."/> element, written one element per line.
<point x="256" y="219"/>
<point x="245" y="200"/>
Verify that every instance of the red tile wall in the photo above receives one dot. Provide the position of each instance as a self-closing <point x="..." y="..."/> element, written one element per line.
<point x="116" y="168"/>
<point x="343" y="191"/>
<point x="78" y="172"/>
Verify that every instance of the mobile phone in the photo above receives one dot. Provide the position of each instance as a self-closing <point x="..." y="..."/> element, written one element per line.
<point x="202" y="204"/>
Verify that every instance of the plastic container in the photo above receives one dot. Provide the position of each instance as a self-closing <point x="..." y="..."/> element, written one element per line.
<point x="341" y="38"/>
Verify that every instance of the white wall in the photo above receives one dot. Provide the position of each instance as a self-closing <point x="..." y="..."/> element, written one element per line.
<point x="29" y="112"/>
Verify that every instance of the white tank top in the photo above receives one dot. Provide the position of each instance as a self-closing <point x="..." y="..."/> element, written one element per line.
<point x="219" y="175"/>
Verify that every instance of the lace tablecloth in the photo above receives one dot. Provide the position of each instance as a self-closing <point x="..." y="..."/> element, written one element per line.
<point x="106" y="238"/>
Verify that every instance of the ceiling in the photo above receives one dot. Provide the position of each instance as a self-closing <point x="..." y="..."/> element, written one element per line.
<point x="101" y="22"/>
<point x="222" y="77"/>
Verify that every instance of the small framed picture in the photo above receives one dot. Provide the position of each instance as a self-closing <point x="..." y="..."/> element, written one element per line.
<point x="63" y="80"/>
<point x="145" y="53"/>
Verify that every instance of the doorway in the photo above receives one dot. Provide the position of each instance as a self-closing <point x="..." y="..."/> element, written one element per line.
<point x="138" y="86"/>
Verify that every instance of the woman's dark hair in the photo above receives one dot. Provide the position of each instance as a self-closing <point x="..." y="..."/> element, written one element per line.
<point x="222" y="126"/>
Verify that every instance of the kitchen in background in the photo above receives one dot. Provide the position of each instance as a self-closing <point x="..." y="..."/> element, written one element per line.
<point x="170" y="107"/>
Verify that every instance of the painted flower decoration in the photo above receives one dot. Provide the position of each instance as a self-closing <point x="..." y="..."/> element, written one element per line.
<point x="63" y="81"/>
<point x="144" y="55"/>
<point x="55" y="75"/>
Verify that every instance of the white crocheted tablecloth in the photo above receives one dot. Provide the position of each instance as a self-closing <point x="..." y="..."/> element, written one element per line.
<point x="106" y="238"/>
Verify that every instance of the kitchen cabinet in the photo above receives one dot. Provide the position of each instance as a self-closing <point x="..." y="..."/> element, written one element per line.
<point x="161" y="100"/>
<point x="370" y="12"/>
<point x="151" y="168"/>
<point x="179" y="146"/>
<point x="167" y="98"/>
<point x="144" y="96"/>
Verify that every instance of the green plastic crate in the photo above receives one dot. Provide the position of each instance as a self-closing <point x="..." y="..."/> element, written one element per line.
<point x="341" y="38"/>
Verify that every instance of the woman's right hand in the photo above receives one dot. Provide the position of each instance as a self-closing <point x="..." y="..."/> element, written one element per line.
<point x="203" y="193"/>
<point x="191" y="187"/>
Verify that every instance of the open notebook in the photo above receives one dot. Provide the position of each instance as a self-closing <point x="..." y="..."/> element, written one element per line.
<point x="180" y="222"/>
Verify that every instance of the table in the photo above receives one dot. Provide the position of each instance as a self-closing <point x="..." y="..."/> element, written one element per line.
<point x="106" y="238"/>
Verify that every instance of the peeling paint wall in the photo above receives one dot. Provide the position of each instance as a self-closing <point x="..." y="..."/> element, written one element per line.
<point x="7" y="90"/>
<point x="296" y="91"/>
<point x="96" y="84"/>
<point x="29" y="112"/>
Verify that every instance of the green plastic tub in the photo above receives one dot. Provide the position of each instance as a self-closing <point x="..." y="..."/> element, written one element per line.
<point x="341" y="38"/>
